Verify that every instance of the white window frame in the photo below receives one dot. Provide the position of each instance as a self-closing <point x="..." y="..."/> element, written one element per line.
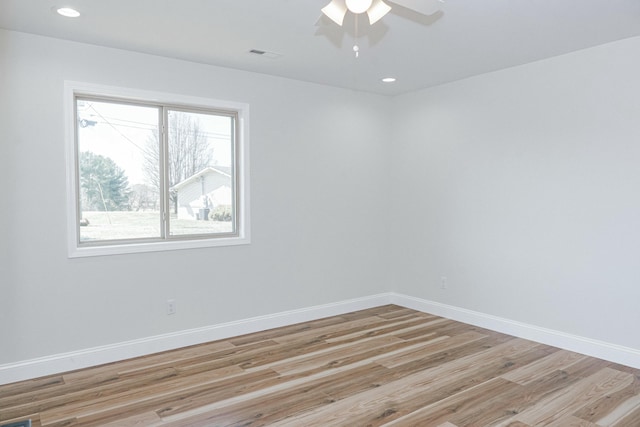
<point x="75" y="249"/>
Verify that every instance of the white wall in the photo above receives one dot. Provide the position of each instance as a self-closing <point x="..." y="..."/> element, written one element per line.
<point x="317" y="155"/>
<point x="523" y="187"/>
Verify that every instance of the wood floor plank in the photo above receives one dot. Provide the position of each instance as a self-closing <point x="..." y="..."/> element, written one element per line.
<point x="145" y="398"/>
<point x="612" y="406"/>
<point x="435" y="345"/>
<point x="52" y="400"/>
<point x="374" y="407"/>
<point x="319" y="378"/>
<point x="621" y="411"/>
<point x="193" y="358"/>
<point x="186" y="417"/>
<point x="291" y="329"/>
<point x="404" y="312"/>
<point x="555" y="361"/>
<point x="282" y="402"/>
<point x="332" y="331"/>
<point x="335" y="356"/>
<point x="385" y="329"/>
<point x="633" y="419"/>
<point x="387" y="365"/>
<point x="571" y="421"/>
<point x="462" y="408"/>
<point x="567" y="401"/>
<point x="449" y="353"/>
<point x="31" y="386"/>
<point x="137" y="420"/>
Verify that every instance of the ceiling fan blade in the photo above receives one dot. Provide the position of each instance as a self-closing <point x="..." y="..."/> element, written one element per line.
<point x="336" y="10"/>
<point x="377" y="10"/>
<point x="424" y="7"/>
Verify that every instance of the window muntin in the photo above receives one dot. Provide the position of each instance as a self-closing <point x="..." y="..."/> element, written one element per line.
<point x="156" y="175"/>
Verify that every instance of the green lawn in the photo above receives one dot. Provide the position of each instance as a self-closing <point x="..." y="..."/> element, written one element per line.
<point x="139" y="225"/>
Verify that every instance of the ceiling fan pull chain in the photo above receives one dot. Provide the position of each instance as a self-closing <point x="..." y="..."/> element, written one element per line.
<point x="356" y="48"/>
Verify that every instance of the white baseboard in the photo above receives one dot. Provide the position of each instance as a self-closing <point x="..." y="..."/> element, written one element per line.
<point x="59" y="363"/>
<point x="65" y="362"/>
<point x="590" y="347"/>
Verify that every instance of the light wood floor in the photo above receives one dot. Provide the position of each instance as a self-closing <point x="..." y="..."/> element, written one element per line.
<point x="387" y="366"/>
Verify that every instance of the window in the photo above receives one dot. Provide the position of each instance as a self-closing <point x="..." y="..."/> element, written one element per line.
<point x="150" y="171"/>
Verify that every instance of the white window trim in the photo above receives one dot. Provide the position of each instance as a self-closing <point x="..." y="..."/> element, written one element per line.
<point x="71" y="88"/>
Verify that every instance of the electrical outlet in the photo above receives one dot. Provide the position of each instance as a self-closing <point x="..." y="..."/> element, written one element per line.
<point x="444" y="283"/>
<point x="171" y="306"/>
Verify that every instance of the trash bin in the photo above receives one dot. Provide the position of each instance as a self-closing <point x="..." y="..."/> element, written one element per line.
<point x="204" y="214"/>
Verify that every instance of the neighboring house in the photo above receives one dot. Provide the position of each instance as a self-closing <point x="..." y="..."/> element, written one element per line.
<point x="203" y="191"/>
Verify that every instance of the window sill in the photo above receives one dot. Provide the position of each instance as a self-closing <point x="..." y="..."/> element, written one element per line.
<point x="130" y="248"/>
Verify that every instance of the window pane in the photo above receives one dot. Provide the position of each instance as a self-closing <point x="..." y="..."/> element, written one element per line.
<point x="201" y="173"/>
<point x="118" y="171"/>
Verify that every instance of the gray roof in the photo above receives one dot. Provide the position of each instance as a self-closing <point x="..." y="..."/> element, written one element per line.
<point x="223" y="170"/>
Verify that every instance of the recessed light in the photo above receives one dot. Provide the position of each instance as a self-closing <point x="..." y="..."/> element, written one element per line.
<point x="68" y="12"/>
<point x="389" y="79"/>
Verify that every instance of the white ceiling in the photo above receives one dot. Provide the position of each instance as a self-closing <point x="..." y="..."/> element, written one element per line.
<point x="469" y="37"/>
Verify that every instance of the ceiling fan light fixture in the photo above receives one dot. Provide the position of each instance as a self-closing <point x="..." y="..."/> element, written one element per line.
<point x="358" y="6"/>
<point x="377" y="10"/>
<point x="335" y="10"/>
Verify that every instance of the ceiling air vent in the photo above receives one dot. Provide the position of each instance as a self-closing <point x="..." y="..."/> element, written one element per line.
<point x="265" y="54"/>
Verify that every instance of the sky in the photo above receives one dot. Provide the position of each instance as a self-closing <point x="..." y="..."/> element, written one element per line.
<point x="121" y="132"/>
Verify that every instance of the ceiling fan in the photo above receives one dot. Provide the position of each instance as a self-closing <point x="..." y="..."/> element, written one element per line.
<point x="336" y="10"/>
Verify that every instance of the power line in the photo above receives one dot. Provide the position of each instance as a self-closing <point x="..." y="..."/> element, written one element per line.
<point x="116" y="129"/>
<point x="151" y="126"/>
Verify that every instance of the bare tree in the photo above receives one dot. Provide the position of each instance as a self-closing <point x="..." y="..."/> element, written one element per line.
<point x="188" y="152"/>
<point x="143" y="197"/>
